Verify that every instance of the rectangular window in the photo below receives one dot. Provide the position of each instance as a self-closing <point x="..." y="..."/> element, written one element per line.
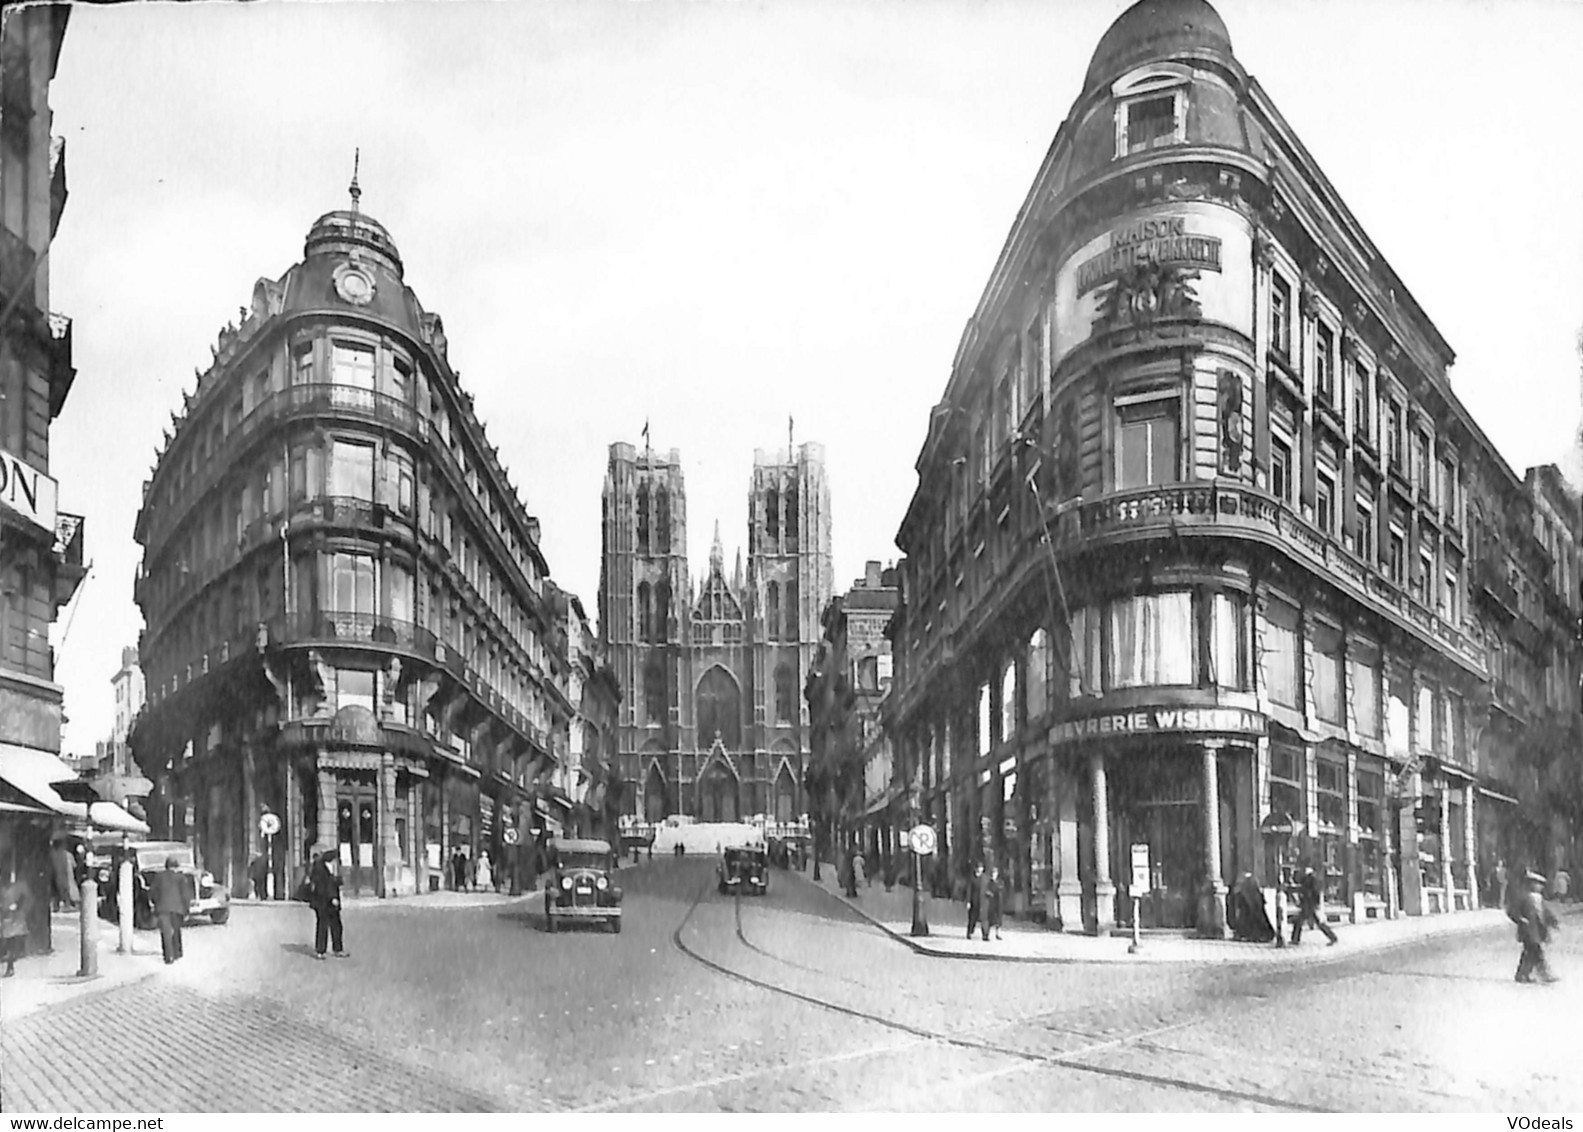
<point x="1032" y="349"/>
<point x="1365" y="693"/>
<point x="1324" y="504"/>
<point x="352" y="583"/>
<point x="1459" y="728"/>
<point x="1280" y="470"/>
<point x="1146" y="444"/>
<point x="1448" y="491"/>
<point x="353" y="364"/>
<point x="1330" y="785"/>
<point x="1362" y="404"/>
<point x="1453" y="597"/>
<point x="1083" y="678"/>
<point x="1423" y="737"/>
<point x="1396" y="716"/>
<point x="1286" y="782"/>
<point x="1421" y="460"/>
<point x="1151" y="640"/>
<point x="1008" y="702"/>
<point x="1327" y="676"/>
<point x="1398" y="558"/>
<point x="1365" y="534"/>
<point x="301" y="366"/>
<point x="1151" y="121"/>
<point x="984" y="719"/>
<point x="354" y="687"/>
<point x="1324" y="372"/>
<point x="352" y="470"/>
<point x="1279" y="662"/>
<point x="1280" y="316"/>
<point x="1371" y="798"/>
<point x="1228" y="650"/>
<point x="1396" y="451"/>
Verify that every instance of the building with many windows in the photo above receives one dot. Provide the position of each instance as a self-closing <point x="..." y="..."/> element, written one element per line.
<point x="1192" y="545"/>
<point x="344" y="595"/>
<point x="713" y="725"/>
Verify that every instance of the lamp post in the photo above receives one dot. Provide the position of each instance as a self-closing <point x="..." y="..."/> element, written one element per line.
<point x="123" y="902"/>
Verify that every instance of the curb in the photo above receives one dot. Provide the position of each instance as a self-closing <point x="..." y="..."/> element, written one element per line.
<point x="1323" y="957"/>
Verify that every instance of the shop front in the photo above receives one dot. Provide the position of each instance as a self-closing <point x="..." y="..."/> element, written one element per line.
<point x="1175" y="787"/>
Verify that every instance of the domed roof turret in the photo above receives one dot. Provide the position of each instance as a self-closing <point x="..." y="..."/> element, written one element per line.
<point x="1157" y="29"/>
<point x="347" y="228"/>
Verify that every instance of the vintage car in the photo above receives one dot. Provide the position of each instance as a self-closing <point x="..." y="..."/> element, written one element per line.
<point x="578" y="885"/>
<point x="205" y="898"/>
<point x="744" y="869"/>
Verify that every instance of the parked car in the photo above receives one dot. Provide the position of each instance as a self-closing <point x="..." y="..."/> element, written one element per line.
<point x="579" y="885"/>
<point x="205" y="898"/>
<point x="744" y="870"/>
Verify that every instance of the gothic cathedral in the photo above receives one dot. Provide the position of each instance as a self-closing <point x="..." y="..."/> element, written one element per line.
<point x="713" y="722"/>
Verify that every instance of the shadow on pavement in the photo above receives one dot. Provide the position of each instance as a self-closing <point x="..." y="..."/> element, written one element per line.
<point x="297" y="948"/>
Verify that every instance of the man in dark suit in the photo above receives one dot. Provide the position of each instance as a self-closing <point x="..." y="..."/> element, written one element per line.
<point x="168" y="893"/>
<point x="1309" y="902"/>
<point x="324" y="894"/>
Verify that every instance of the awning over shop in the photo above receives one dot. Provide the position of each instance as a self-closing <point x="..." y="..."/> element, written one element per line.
<point x="36" y="774"/>
<point x="1508" y="799"/>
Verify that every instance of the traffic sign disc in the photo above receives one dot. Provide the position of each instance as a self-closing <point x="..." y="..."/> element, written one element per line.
<point x="922" y="840"/>
<point x="269" y="825"/>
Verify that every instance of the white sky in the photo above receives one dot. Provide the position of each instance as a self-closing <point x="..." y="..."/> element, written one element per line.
<point x="718" y="215"/>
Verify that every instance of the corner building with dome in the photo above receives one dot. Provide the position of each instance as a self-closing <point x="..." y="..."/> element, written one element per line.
<point x="1194" y="551"/>
<point x="349" y="623"/>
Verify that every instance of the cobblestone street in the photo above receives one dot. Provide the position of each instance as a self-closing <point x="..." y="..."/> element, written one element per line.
<point x="789" y="1002"/>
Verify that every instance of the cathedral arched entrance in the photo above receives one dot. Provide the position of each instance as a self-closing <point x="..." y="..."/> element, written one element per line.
<point x="718" y="795"/>
<point x="654" y="807"/>
<point x="785" y="796"/>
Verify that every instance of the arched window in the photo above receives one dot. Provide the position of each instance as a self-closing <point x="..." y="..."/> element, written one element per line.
<point x="662" y="520"/>
<point x="654" y="696"/>
<point x="785" y="694"/>
<point x="772" y="610"/>
<point x="719" y="708"/>
<point x="643" y="518"/>
<point x="645" y="612"/>
<point x="654" y="807"/>
<point x="791" y="612"/>
<point x="785" y="796"/>
<point x="772" y="513"/>
<point x="662" y="611"/>
<point x="1008" y="701"/>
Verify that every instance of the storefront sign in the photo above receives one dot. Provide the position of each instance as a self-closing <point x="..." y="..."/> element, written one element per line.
<point x="355" y="726"/>
<point x="1148" y="721"/>
<point x="27" y="491"/>
<point x="1140" y="868"/>
<point x="1192" y="262"/>
<point x="1161" y="240"/>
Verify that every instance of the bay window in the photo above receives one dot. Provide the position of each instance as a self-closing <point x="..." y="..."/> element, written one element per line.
<point x="1151" y="640"/>
<point x="351" y="583"/>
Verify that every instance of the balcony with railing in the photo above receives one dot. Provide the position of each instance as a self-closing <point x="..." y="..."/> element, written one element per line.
<point x="1237" y="510"/>
<point x="1491" y="583"/>
<point x="313" y="400"/>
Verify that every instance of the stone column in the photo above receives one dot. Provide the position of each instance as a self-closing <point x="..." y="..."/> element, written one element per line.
<point x="1407" y="839"/>
<point x="327" y="811"/>
<point x="389" y="855"/>
<point x="1447" y="878"/>
<point x="1212" y="898"/>
<point x="1350" y="851"/>
<point x="441" y="783"/>
<point x="288" y="851"/>
<point x="1069" y="892"/>
<point x="1104" y="888"/>
<point x="1470" y="847"/>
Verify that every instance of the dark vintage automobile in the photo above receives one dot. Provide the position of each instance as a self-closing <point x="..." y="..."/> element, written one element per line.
<point x="205" y="898"/>
<point x="744" y="870"/>
<point x="578" y="885"/>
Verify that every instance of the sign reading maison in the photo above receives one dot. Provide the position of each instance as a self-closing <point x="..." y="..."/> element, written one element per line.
<point x="27" y="491"/>
<point x="1163" y="239"/>
<point x="1152" y="720"/>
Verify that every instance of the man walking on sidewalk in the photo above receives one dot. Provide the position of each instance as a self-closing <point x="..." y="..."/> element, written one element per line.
<point x="1309" y="909"/>
<point x="1534" y="922"/>
<point x="168" y="892"/>
<point x="324" y="894"/>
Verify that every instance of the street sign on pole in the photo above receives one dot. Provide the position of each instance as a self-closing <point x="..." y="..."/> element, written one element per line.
<point x="921" y="838"/>
<point x="269" y="824"/>
<point x="510" y="836"/>
<point x="1140" y="868"/>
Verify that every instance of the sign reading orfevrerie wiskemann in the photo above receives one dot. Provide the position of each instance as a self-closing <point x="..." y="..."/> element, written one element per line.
<point x="1161" y="239"/>
<point x="27" y="491"/>
<point x="1149" y="720"/>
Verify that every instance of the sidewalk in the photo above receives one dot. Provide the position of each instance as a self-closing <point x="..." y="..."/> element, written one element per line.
<point x="48" y="980"/>
<point x="1026" y="942"/>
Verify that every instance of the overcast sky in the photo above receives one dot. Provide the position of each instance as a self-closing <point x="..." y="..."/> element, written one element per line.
<point x="718" y="216"/>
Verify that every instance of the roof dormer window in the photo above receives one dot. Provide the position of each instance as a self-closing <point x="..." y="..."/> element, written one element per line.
<point x="1151" y="109"/>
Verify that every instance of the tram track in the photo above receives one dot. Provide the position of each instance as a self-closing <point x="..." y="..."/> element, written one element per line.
<point x="1024" y="1059"/>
